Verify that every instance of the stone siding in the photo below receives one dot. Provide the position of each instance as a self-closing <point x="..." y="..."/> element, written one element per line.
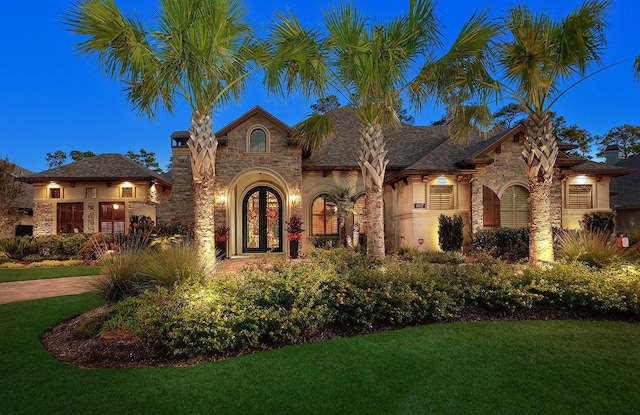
<point x="179" y="207"/>
<point x="231" y="161"/>
<point x="507" y="169"/>
<point x="43" y="219"/>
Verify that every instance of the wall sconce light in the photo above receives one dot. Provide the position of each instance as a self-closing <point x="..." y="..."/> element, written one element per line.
<point x="221" y="198"/>
<point x="294" y="198"/>
<point x="116" y="206"/>
<point x="581" y="179"/>
<point x="441" y="180"/>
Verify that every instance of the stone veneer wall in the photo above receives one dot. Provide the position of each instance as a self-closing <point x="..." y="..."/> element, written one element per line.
<point x="507" y="168"/>
<point x="179" y="207"/>
<point x="234" y="159"/>
<point x="43" y="219"/>
<point x="231" y="161"/>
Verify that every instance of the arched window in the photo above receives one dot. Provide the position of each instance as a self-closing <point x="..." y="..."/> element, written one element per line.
<point x="258" y="141"/>
<point x="514" y="207"/>
<point x="324" y="220"/>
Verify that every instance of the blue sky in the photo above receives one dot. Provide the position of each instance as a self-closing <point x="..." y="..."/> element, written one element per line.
<point x="54" y="99"/>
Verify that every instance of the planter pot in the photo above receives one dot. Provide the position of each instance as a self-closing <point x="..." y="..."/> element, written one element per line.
<point x="293" y="249"/>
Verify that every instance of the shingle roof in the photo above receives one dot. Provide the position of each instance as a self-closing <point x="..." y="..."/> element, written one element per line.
<point x="99" y="168"/>
<point x="626" y="189"/>
<point x="405" y="144"/>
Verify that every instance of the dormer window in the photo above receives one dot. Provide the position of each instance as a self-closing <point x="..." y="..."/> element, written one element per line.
<point x="258" y="141"/>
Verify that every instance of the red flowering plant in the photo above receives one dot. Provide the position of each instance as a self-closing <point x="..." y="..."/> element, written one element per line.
<point x="221" y="234"/>
<point x="294" y="228"/>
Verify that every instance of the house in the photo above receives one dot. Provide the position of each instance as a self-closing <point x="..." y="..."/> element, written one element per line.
<point x="625" y="190"/>
<point x="263" y="177"/>
<point x="97" y="194"/>
<point x="24" y="205"/>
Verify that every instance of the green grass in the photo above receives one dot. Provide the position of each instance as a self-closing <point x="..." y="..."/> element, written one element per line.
<point x="533" y="367"/>
<point x="23" y="274"/>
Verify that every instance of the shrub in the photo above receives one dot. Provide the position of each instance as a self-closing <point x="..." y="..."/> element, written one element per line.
<point x="169" y="266"/>
<point x="510" y="244"/>
<point x="61" y="247"/>
<point x="18" y="247"/>
<point x="595" y="248"/>
<point x="96" y="246"/>
<point x="57" y="263"/>
<point x="286" y="301"/>
<point x="450" y="232"/>
<point x="121" y="277"/>
<point x="599" y="222"/>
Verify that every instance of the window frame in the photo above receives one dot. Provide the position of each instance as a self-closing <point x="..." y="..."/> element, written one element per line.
<point x="267" y="141"/>
<point x="73" y="210"/>
<point x="114" y="217"/>
<point x="514" y="210"/>
<point x="437" y="200"/>
<point x="126" y="191"/>
<point x="574" y="199"/>
<point x="55" y="193"/>
<point x="334" y="218"/>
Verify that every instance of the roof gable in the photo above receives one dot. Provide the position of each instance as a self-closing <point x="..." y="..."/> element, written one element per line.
<point x="257" y="110"/>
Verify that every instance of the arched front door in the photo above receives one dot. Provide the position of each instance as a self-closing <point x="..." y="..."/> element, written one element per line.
<point x="262" y="220"/>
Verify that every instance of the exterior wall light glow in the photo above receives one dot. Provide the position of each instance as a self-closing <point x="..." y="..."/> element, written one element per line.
<point x="294" y="198"/>
<point x="582" y="179"/>
<point x="221" y="198"/>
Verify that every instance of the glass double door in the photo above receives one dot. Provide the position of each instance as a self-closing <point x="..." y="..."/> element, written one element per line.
<point x="262" y="221"/>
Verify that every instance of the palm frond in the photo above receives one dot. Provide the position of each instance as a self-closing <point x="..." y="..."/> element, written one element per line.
<point x="314" y="131"/>
<point x="465" y="119"/>
<point x="199" y="50"/>
<point x="297" y="58"/>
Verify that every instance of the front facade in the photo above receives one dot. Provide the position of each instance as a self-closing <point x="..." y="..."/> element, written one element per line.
<point x="263" y="178"/>
<point x="98" y="194"/>
<point x="258" y="183"/>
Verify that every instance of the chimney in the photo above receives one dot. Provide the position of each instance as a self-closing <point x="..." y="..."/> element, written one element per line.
<point x="611" y="154"/>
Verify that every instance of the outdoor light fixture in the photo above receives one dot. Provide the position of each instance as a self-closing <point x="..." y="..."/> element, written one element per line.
<point x="441" y="180"/>
<point x="582" y="179"/>
<point x="116" y="206"/>
<point x="294" y="198"/>
<point x="221" y="198"/>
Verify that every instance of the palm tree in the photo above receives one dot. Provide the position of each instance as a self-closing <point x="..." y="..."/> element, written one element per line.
<point x="370" y="65"/>
<point x="344" y="201"/>
<point x="538" y="56"/>
<point x="199" y="50"/>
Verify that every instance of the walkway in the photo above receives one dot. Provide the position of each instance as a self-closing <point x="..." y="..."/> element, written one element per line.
<point x="31" y="290"/>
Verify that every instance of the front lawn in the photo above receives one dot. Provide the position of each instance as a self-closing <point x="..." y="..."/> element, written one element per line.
<point x="527" y="367"/>
<point x="23" y="274"/>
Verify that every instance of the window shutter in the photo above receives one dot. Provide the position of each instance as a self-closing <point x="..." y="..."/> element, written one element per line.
<point x="441" y="197"/>
<point x="579" y="196"/>
<point x="514" y="207"/>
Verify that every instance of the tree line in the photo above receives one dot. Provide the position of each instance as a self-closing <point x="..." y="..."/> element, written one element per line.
<point x="146" y="158"/>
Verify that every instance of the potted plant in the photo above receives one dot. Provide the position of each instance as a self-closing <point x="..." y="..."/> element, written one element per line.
<point x="294" y="234"/>
<point x="221" y="237"/>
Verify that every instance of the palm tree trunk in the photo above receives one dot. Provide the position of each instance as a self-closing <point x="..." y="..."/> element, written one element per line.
<point x="540" y="154"/>
<point x="203" y="145"/>
<point x="373" y="164"/>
